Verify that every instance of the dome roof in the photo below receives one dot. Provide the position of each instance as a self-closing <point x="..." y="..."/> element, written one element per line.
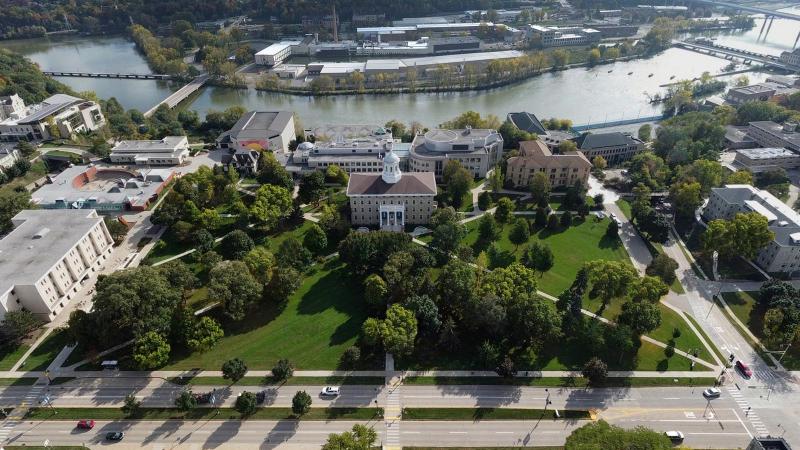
<point x="391" y="158"/>
<point x="305" y="146"/>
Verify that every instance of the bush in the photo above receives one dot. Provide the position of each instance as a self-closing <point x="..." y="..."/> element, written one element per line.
<point x="282" y="370"/>
<point x="595" y="370"/>
<point x="246" y="403"/>
<point x="301" y="403"/>
<point x="669" y="351"/>
<point x="484" y="201"/>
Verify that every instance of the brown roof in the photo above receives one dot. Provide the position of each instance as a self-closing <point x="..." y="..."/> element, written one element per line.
<point x="536" y="154"/>
<point x="418" y="183"/>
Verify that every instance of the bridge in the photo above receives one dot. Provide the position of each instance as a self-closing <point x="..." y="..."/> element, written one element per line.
<point x="180" y="95"/>
<point x="129" y="76"/>
<point x="730" y="52"/>
<point x="769" y="15"/>
<point x="616" y="123"/>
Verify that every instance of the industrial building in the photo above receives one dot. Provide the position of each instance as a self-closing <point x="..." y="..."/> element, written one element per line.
<point x="563" y="36"/>
<point x="47" y="257"/>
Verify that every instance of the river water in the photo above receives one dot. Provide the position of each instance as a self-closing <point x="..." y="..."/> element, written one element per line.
<point x="602" y="94"/>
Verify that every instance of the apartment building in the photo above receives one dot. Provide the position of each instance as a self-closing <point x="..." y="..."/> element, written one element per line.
<point x="47" y="256"/>
<point x="535" y="156"/>
<point x="478" y="150"/>
<point x="62" y="114"/>
<point x="782" y="255"/>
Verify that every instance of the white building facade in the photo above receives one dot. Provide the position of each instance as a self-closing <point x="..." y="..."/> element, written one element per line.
<point x="47" y="256"/>
<point x="169" y="151"/>
<point x="59" y="114"/>
<point x="478" y="150"/>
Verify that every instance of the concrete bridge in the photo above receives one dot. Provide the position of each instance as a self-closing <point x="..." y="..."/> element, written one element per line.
<point x="180" y="95"/>
<point x="729" y="53"/>
<point x="769" y="15"/>
<point x="128" y="76"/>
<point x="591" y="126"/>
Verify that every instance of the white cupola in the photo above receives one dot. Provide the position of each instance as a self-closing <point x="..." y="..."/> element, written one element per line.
<point x="391" y="168"/>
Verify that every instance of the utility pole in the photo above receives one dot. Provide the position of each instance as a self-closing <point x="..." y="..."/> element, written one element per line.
<point x="335" y="25"/>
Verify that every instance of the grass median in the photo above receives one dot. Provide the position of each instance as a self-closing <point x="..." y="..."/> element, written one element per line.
<point x="561" y="381"/>
<point x="202" y="414"/>
<point x="25" y="381"/>
<point x="491" y="414"/>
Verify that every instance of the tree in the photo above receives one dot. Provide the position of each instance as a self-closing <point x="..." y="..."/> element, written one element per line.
<point x="538" y="256"/>
<point x="335" y="174"/>
<point x="185" y="401"/>
<point x="506" y="368"/>
<point x="740" y="177"/>
<point x="375" y="290"/>
<point x="488" y="229"/>
<point x="458" y="181"/>
<point x="645" y="132"/>
<point x="232" y="284"/>
<point x="399" y="330"/>
<point x="11" y="203"/>
<point x="447" y="237"/>
<point x="272" y="204"/>
<point x="26" y="148"/>
<point x="533" y="321"/>
<point x="315" y="239"/>
<point x="664" y="267"/>
<point x="566" y="219"/>
<point x="540" y="187"/>
<point x="301" y="403"/>
<point x="484" y="201"/>
<point x="360" y="438"/>
<point x="131" y="405"/>
<point x="426" y="312"/>
<point x="116" y="228"/>
<point x="204" y="334"/>
<point x="234" y="369"/>
<point x="610" y="279"/>
<point x="596" y="371"/>
<point x="744" y="236"/>
<point x="540" y="220"/>
<point x="283" y="370"/>
<point x="601" y="435"/>
<point x="285" y="281"/>
<point x="648" y="289"/>
<point x="641" y="317"/>
<point x="505" y="208"/>
<point x="686" y="197"/>
<point x="16" y="326"/>
<point x="246" y="403"/>
<point x="270" y="171"/>
<point x="553" y="222"/>
<point x="151" y="351"/>
<point x="312" y="186"/>
<point x="612" y="231"/>
<point x="261" y="263"/>
<point x="351" y="357"/>
<point x="599" y="163"/>
<point x="520" y="232"/>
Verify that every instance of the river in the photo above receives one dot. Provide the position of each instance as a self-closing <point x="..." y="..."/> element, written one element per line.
<point x="601" y="94"/>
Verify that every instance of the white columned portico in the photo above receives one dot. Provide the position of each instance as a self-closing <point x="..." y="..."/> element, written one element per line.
<point x="392" y="217"/>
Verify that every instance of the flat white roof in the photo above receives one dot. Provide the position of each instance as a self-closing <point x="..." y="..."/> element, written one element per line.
<point x="759" y="208"/>
<point x="277" y="47"/>
<point x="767" y="153"/>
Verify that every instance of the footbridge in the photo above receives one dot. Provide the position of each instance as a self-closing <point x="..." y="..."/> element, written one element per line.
<point x="180" y="95"/>
<point x="616" y="123"/>
<point x="127" y="76"/>
<point x="712" y="49"/>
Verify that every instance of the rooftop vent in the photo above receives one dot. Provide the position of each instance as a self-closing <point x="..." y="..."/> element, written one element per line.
<point x="41" y="233"/>
<point x="789" y="127"/>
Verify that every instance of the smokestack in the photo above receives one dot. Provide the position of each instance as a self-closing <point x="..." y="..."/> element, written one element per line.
<point x="335" y="25"/>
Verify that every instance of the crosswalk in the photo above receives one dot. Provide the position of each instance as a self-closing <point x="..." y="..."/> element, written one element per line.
<point x="392" y="415"/>
<point x="16" y="415"/>
<point x="750" y="415"/>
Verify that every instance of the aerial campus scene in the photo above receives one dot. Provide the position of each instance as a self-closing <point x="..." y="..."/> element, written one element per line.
<point x="441" y="224"/>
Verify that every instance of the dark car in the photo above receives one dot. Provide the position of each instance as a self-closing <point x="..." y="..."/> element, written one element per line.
<point x="203" y="399"/>
<point x="115" y="436"/>
<point x="261" y="396"/>
<point x="86" y="424"/>
<point x="744" y="369"/>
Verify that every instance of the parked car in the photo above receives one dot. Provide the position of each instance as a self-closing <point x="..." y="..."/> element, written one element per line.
<point x="674" y="436"/>
<point x="744" y="369"/>
<point x="332" y="391"/>
<point x="86" y="424"/>
<point x="115" y="436"/>
<point x="203" y="398"/>
<point x="712" y="393"/>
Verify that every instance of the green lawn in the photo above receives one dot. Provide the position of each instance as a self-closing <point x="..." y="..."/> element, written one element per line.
<point x="269" y="381"/>
<point x="320" y="321"/>
<point x="38" y="170"/>
<point x="203" y="413"/>
<point x="625" y="207"/>
<point x="746" y="308"/>
<point x="10" y="357"/>
<point x="572" y="247"/>
<point x="559" y="382"/>
<point x="41" y="357"/>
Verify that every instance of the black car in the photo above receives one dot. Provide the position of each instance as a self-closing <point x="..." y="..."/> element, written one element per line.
<point x="115" y="436"/>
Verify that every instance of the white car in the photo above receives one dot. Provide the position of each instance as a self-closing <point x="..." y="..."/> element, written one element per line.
<point x="330" y="391"/>
<point x="674" y="436"/>
<point x="712" y="393"/>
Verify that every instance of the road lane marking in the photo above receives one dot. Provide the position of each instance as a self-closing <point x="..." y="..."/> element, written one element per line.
<point x="672" y="398"/>
<point x="457" y="432"/>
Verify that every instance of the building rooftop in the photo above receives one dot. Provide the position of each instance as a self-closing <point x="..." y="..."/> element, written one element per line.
<point x="753" y="89"/>
<point x="588" y="141"/>
<point x="411" y="183"/>
<point x="783" y="220"/>
<point x="38" y="241"/>
<point x="537" y="154"/>
<point x="527" y="122"/>
<point x="461" y="58"/>
<point x="167" y="144"/>
<point x="48" y="107"/>
<point x="277" y="47"/>
<point x="767" y="153"/>
<point x="255" y="124"/>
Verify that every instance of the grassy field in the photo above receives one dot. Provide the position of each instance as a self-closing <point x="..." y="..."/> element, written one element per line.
<point x="318" y="323"/>
<point x="625" y="207"/>
<point x="585" y="241"/>
<point x="27" y="381"/>
<point x="203" y="413"/>
<point x="10" y="357"/>
<point x="38" y="170"/>
<point x="477" y="414"/>
<point x="41" y="357"/>
<point x="746" y="308"/>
